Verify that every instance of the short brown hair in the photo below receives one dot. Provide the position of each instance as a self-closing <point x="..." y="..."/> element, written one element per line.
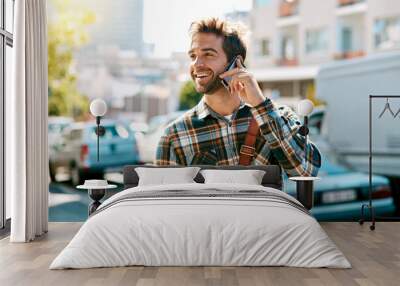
<point x="233" y="35"/>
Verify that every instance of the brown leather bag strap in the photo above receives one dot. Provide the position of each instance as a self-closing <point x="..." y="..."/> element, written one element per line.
<point x="247" y="150"/>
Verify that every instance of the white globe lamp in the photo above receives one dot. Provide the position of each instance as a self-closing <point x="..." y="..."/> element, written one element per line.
<point x="305" y="107"/>
<point x="98" y="108"/>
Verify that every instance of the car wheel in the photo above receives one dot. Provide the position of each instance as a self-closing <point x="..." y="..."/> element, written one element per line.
<point x="52" y="172"/>
<point x="77" y="176"/>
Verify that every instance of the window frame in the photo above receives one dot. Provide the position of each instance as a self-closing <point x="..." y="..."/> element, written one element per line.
<point x="264" y="48"/>
<point x="6" y="39"/>
<point x="386" y="22"/>
<point x="320" y="33"/>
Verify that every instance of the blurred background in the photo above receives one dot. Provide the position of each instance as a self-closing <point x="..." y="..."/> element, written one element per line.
<point x="133" y="55"/>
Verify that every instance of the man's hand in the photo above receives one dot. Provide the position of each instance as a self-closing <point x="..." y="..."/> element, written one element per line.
<point x="244" y="84"/>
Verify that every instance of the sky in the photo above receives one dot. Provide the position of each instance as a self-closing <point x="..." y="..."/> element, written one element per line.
<point x="166" y="22"/>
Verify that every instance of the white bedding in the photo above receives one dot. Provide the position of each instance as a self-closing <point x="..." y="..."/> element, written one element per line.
<point x="183" y="231"/>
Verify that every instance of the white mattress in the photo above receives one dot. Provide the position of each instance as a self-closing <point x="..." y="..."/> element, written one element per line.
<point x="202" y="231"/>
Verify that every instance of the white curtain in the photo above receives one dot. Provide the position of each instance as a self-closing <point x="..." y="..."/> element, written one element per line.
<point x="26" y="119"/>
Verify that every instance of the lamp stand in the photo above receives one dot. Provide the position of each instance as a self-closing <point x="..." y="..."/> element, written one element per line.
<point x="96" y="195"/>
<point x="100" y="131"/>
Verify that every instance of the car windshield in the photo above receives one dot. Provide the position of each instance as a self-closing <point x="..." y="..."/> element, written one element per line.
<point x="72" y="134"/>
<point x="163" y="120"/>
<point x="56" y="127"/>
<point x="330" y="162"/>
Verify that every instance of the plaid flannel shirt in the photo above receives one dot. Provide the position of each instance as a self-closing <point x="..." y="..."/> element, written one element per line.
<point x="203" y="137"/>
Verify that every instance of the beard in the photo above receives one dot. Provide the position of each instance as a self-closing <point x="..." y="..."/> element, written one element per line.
<point x="209" y="87"/>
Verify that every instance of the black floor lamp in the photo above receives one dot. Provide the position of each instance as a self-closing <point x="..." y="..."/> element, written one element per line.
<point x="98" y="108"/>
<point x="305" y="184"/>
<point x="97" y="188"/>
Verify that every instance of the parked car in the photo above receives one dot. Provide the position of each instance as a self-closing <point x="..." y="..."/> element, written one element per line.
<point x="77" y="153"/>
<point x="56" y="125"/>
<point x="148" y="141"/>
<point x="341" y="191"/>
<point x="139" y="127"/>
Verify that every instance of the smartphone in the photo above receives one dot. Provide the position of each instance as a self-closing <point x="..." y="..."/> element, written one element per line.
<point x="232" y="64"/>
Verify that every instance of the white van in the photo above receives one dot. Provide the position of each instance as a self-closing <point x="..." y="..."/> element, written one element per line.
<point x="346" y="86"/>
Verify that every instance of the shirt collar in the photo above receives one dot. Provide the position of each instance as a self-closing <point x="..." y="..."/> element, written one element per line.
<point x="203" y="110"/>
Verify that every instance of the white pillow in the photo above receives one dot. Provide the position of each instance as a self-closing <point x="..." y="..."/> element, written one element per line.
<point x="164" y="176"/>
<point x="249" y="177"/>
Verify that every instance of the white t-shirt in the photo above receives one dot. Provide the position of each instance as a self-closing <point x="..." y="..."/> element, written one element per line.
<point x="229" y="117"/>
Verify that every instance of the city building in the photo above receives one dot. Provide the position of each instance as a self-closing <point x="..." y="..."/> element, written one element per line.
<point x="143" y="86"/>
<point x="118" y="23"/>
<point x="150" y="101"/>
<point x="238" y="16"/>
<point x="291" y="39"/>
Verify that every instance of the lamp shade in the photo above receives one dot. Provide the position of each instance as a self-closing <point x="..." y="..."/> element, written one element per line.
<point x="305" y="107"/>
<point x="98" y="107"/>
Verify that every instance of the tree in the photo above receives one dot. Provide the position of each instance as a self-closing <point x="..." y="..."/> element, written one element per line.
<point x="66" y="33"/>
<point x="188" y="96"/>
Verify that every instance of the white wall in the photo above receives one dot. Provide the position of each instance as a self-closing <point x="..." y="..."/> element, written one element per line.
<point x="317" y="14"/>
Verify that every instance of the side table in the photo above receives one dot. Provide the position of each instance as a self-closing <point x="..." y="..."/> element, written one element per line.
<point x="96" y="190"/>
<point x="305" y="190"/>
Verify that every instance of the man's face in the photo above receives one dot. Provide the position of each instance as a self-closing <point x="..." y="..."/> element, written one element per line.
<point x="208" y="60"/>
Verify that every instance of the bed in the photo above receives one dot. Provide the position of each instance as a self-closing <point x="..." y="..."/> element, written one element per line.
<point x="201" y="224"/>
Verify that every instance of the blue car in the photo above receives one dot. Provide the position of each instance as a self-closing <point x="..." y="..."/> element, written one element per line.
<point x="77" y="153"/>
<point x="340" y="192"/>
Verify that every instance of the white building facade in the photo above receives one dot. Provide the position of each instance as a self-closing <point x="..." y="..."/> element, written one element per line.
<point x="292" y="38"/>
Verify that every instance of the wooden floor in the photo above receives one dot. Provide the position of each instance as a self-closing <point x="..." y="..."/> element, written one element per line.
<point x="374" y="255"/>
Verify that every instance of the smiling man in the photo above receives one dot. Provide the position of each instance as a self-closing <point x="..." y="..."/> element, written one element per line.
<point x="236" y="124"/>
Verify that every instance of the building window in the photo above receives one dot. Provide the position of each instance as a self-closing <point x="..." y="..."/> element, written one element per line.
<point x="288" y="8"/>
<point x="288" y="50"/>
<point x="6" y="43"/>
<point x="264" y="48"/>
<point x="316" y="41"/>
<point x="387" y="33"/>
